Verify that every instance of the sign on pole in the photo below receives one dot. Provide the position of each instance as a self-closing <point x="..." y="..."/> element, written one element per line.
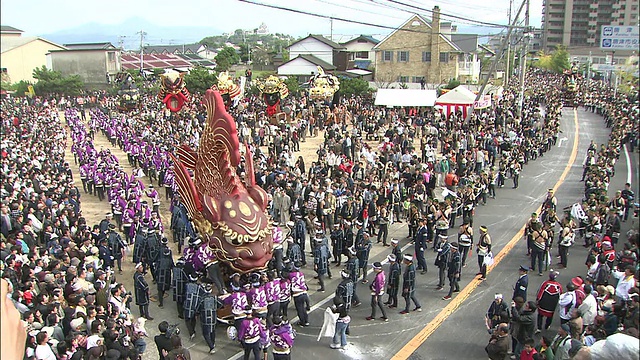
<point x="619" y="37"/>
<point x="483" y="103"/>
<point x="607" y="67"/>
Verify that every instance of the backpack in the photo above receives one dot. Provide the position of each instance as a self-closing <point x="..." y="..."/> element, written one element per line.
<point x="602" y="274"/>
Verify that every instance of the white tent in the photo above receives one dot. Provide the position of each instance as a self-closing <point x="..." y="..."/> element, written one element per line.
<point x="459" y="98"/>
<point x="405" y="97"/>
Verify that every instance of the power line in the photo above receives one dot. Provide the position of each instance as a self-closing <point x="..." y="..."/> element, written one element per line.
<point x="325" y="16"/>
<point x="359" y="10"/>
<point x="449" y="15"/>
<point x="336" y="18"/>
<point x="442" y="17"/>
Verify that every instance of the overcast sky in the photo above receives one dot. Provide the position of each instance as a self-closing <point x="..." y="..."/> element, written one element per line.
<point x="38" y="17"/>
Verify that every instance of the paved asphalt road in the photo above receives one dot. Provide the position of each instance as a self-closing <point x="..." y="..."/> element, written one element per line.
<point x="462" y="335"/>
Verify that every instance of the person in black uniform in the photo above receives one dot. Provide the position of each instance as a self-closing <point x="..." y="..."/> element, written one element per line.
<point x="393" y="281"/>
<point x="353" y="267"/>
<point x="209" y="316"/>
<point x="421" y="245"/>
<point x="104" y="254"/>
<point x="116" y="245"/>
<point x="396" y="250"/>
<point x="178" y="281"/>
<point x="520" y="289"/>
<point x="164" y="268"/>
<point x="294" y="253"/>
<point x="142" y="291"/>
<point x="153" y="252"/>
<point x="337" y="244"/>
<point x="193" y="295"/>
<point x="442" y="259"/>
<point x="409" y="285"/>
<point x="454" y="267"/>
<point x="140" y="244"/>
<point x="345" y="289"/>
<point x="363" y="247"/>
<point x="320" y="259"/>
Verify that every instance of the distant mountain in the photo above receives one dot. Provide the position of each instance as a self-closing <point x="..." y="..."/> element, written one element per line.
<point x="156" y="34"/>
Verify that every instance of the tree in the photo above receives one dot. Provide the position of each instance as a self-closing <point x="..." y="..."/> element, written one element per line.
<point x="544" y="61"/>
<point x="225" y="58"/>
<point x="355" y="86"/>
<point x="21" y="87"/>
<point x="52" y="82"/>
<point x="628" y="78"/>
<point x="560" y="59"/>
<point x="453" y="83"/>
<point x="557" y="61"/>
<point x="292" y="85"/>
<point x="199" y="79"/>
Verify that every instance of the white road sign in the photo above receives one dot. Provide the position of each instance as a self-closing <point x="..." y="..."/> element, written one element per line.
<point x="619" y="37"/>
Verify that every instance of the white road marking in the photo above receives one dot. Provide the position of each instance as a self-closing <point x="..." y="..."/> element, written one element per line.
<point x="561" y="140"/>
<point x="317" y="306"/>
<point x="628" y="159"/>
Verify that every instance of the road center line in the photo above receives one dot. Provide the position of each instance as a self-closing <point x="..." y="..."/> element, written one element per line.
<point x="452" y="306"/>
<point x="317" y="305"/>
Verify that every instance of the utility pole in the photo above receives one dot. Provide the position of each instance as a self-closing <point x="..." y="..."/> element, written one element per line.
<point x="589" y="69"/>
<point x="331" y="24"/>
<point x="497" y="58"/>
<point x="507" y="73"/>
<point x="142" y="35"/>
<point x="121" y="41"/>
<point x="523" y="56"/>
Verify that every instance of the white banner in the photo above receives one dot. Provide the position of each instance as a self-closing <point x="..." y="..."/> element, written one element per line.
<point x="483" y="103"/>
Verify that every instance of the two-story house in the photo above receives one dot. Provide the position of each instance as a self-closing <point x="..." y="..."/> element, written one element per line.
<point x="470" y="59"/>
<point x="21" y="54"/>
<point x="96" y="63"/>
<point x="307" y="54"/>
<point x="359" y="53"/>
<point x="417" y="50"/>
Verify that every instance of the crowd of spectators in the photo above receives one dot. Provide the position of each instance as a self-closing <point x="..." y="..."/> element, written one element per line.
<point x="374" y="166"/>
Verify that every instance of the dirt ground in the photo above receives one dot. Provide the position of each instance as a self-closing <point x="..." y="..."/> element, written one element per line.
<point x="94" y="211"/>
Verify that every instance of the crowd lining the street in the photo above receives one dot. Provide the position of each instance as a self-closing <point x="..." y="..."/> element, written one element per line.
<point x="375" y="167"/>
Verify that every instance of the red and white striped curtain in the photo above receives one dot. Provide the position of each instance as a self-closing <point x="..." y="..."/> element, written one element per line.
<point x="453" y="108"/>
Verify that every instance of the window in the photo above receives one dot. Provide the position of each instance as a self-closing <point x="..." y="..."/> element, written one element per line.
<point x="444" y="57"/>
<point x="417" y="79"/>
<point x="387" y="56"/>
<point x="111" y="56"/>
<point x="426" y="56"/>
<point x="362" y="55"/>
<point x="403" y="79"/>
<point x="403" y="56"/>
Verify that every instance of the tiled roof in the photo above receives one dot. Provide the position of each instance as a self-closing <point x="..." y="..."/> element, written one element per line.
<point x="322" y="39"/>
<point x="90" y="46"/>
<point x="151" y="61"/>
<point x="7" y="28"/>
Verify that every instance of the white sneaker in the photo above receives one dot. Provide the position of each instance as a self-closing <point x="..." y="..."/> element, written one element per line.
<point x="212" y="351"/>
<point x="334" y="346"/>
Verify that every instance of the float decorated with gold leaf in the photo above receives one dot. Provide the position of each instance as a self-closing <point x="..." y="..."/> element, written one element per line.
<point x="273" y="90"/>
<point x="322" y="86"/>
<point x="228" y="89"/>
